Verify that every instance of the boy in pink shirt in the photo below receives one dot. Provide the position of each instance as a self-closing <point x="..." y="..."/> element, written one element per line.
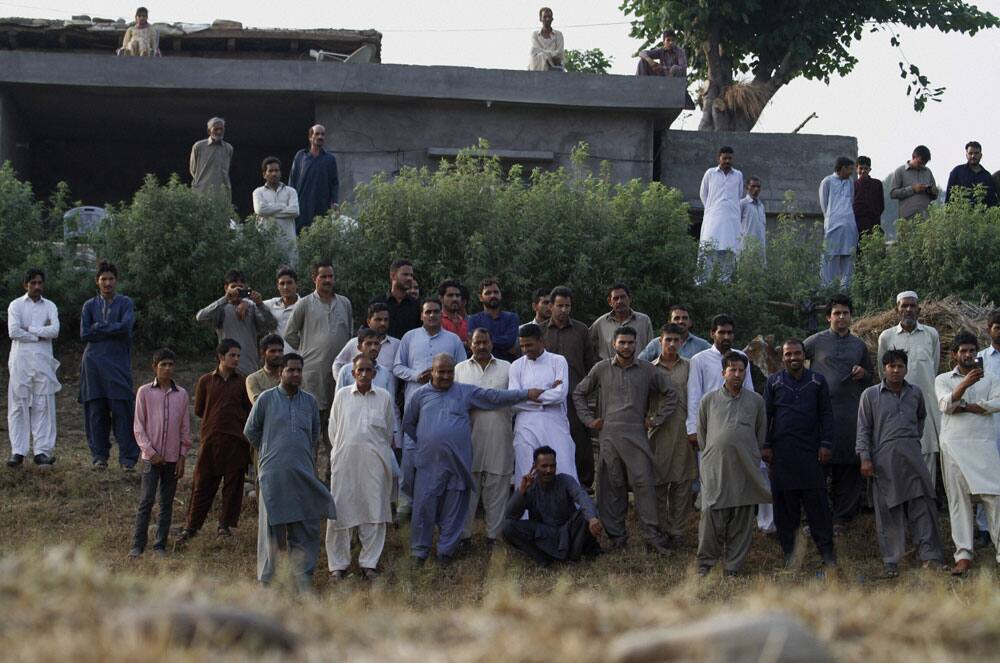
<point x="163" y="431"/>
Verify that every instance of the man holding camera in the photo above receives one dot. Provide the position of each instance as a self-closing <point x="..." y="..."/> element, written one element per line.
<point x="239" y="314"/>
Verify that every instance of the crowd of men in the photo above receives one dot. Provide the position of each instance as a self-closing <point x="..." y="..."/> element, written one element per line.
<point x="401" y="417"/>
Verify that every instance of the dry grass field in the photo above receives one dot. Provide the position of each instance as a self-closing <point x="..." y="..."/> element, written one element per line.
<point x="67" y="591"/>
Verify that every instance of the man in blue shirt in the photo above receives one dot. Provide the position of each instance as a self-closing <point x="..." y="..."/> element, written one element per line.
<point x="971" y="174"/>
<point x="314" y="177"/>
<point x="799" y="443"/>
<point x="691" y="345"/>
<point x="106" y="371"/>
<point x="502" y="325"/>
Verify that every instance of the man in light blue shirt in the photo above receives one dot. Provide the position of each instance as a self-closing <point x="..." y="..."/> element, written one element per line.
<point x="753" y="220"/>
<point x="840" y="230"/>
<point x="691" y="345"/>
<point x="991" y="366"/>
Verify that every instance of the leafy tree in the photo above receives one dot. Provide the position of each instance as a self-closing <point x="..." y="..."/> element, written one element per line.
<point x="746" y="50"/>
<point x="590" y="61"/>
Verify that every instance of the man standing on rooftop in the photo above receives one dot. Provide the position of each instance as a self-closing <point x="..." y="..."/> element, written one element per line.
<point x="209" y="163"/>
<point x="314" y="176"/>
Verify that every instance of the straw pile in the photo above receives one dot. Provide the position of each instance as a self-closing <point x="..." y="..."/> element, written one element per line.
<point x="949" y="316"/>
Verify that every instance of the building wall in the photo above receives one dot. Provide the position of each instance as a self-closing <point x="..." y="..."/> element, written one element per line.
<point x="784" y="162"/>
<point x="383" y="136"/>
<point x="13" y="140"/>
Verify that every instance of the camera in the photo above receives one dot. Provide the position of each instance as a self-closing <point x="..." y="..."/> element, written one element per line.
<point x="245" y="293"/>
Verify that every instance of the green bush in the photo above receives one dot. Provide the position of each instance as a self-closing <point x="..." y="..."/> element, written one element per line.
<point x="951" y="251"/>
<point x="20" y="230"/>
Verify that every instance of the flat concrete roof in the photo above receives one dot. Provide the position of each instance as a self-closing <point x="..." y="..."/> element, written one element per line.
<point x="662" y="97"/>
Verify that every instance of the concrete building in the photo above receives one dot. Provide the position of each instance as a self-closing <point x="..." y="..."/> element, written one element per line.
<point x="70" y="110"/>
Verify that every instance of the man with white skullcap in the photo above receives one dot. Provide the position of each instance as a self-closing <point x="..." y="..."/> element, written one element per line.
<point x="923" y="348"/>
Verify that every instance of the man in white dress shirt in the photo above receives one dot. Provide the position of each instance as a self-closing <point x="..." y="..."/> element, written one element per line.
<point x="991" y="365"/>
<point x="968" y="398"/>
<point x="377" y="320"/>
<point x="705" y="377"/>
<point x="543" y="422"/>
<point x="281" y="307"/>
<point x="277" y="205"/>
<point x="922" y="345"/>
<point x="721" y="191"/>
<point x="32" y="323"/>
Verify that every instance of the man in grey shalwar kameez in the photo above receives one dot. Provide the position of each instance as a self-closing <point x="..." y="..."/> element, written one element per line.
<point x="440" y="476"/>
<point x="283" y="427"/>
<point x="890" y="423"/>
<point x="625" y="385"/>
<point x="732" y="429"/>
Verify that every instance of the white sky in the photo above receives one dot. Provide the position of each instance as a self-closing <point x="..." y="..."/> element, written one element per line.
<point x="869" y="103"/>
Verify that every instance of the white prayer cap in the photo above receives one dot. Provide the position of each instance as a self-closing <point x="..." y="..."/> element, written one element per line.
<point x="906" y="294"/>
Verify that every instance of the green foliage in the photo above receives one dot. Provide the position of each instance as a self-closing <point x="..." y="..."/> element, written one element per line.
<point x="953" y="251"/>
<point x="172" y="246"/>
<point x="778" y="42"/>
<point x="590" y="61"/>
<point x="20" y="229"/>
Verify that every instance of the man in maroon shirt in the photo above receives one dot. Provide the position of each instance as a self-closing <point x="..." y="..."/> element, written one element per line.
<point x="869" y="201"/>
<point x="222" y="404"/>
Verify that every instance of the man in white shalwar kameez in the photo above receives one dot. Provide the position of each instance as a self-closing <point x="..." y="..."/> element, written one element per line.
<point x="32" y="323"/>
<point x="492" y="437"/>
<point x="970" y="462"/>
<point x="922" y="345"/>
<point x="544" y="422"/>
<point x="547" y="51"/>
<point x="361" y="478"/>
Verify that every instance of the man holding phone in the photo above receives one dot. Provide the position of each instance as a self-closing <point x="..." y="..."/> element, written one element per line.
<point x="239" y="314"/>
<point x="970" y="462"/>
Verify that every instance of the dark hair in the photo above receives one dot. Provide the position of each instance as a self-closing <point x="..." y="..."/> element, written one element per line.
<point x="449" y="283"/>
<point x="993" y="318"/>
<point x="675" y="307"/>
<point x="225" y="345"/>
<point x="895" y="355"/>
<point x="163" y="354"/>
<point x="483" y="330"/>
<point x="107" y="267"/>
<point x="625" y="331"/>
<point x="544" y="450"/>
<point x="233" y="276"/>
<point x="142" y="11"/>
<point x="752" y="179"/>
<point x="794" y="341"/>
<point x="672" y="328"/>
<point x="396" y="264"/>
<point x="366" y="332"/>
<point x="964" y="337"/>
<point x="32" y="273"/>
<point x="725" y="149"/>
<point x="431" y="300"/>
<point x="530" y="330"/>
<point x="539" y="293"/>
<point x="975" y="144"/>
<point x="843" y="162"/>
<point x="734" y="356"/>
<point x="291" y="356"/>
<point x="377" y="307"/>
<point x="720" y="320"/>
<point x="865" y="161"/>
<point x="619" y="286"/>
<point x="923" y="152"/>
<point x="268" y="161"/>
<point x="285" y="270"/>
<point x="840" y="299"/>
<point x="320" y="264"/>
<point x="543" y="10"/>
<point x="268" y="341"/>
<point x="488" y="281"/>
<point x="560" y="291"/>
<point x="669" y="33"/>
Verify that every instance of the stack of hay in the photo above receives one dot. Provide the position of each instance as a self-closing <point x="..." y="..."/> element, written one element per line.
<point x="949" y="316"/>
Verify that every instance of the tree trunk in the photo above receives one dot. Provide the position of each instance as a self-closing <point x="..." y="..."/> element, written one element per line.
<point x="729" y="105"/>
